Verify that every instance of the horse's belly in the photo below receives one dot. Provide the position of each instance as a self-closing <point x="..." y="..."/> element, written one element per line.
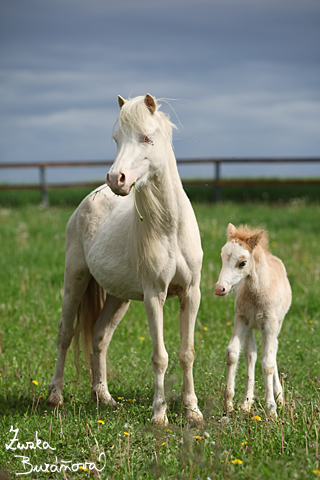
<point x="119" y="282"/>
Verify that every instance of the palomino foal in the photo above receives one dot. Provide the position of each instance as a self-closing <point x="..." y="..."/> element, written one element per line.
<point x="262" y="299"/>
<point x="136" y="238"/>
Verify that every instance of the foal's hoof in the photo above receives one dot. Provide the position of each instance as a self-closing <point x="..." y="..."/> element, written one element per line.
<point x="54" y="400"/>
<point x="271" y="408"/>
<point x="246" y="407"/>
<point x="228" y="407"/>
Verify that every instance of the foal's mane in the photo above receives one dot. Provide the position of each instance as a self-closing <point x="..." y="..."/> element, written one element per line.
<point x="243" y="233"/>
<point x="134" y="115"/>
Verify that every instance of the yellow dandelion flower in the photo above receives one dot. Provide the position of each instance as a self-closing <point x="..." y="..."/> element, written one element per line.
<point x="141" y="338"/>
<point x="35" y="382"/>
<point x="205" y="329"/>
<point x="237" y="461"/>
<point x="311" y="322"/>
<point x="41" y="396"/>
<point x="82" y="468"/>
<point x="256" y="417"/>
<point x="126" y="433"/>
<point x="120" y="398"/>
<point x="163" y="443"/>
<point x="316" y="472"/>
<point x="130" y="400"/>
<point x="101" y="421"/>
<point x="228" y="323"/>
<point x="167" y="430"/>
<point x="244" y="443"/>
<point x="197" y="437"/>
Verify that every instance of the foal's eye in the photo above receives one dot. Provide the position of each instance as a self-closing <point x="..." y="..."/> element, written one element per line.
<point x="242" y="264"/>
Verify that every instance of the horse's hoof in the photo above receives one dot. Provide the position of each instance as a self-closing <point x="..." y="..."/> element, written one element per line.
<point x="159" y="420"/>
<point x="104" y="398"/>
<point x="194" y="417"/>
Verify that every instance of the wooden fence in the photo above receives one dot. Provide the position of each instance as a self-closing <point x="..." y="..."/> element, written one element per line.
<point x="216" y="181"/>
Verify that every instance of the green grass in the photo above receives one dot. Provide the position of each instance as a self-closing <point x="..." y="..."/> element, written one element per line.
<point x="32" y="266"/>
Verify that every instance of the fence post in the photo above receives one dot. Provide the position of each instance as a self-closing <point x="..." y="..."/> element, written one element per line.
<point x="217" y="189"/>
<point x="44" y="191"/>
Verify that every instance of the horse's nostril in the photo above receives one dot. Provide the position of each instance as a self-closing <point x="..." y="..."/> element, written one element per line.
<point x="122" y="178"/>
<point x="223" y="289"/>
<point x="108" y="179"/>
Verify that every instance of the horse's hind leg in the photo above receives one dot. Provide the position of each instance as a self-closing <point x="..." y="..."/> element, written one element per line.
<point x="189" y="305"/>
<point x="277" y="387"/>
<point x="269" y="351"/>
<point x="110" y="316"/>
<point x="75" y="283"/>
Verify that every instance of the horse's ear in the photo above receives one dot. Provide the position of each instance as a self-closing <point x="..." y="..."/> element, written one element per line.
<point x="121" y="101"/>
<point x="254" y="239"/>
<point x="150" y="103"/>
<point x="231" y="230"/>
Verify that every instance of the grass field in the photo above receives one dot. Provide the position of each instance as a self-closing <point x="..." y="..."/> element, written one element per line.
<point x="238" y="447"/>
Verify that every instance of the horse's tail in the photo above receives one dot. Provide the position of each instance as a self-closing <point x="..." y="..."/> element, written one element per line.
<point x="89" y="310"/>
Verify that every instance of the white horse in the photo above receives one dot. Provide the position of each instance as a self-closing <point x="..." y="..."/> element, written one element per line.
<point x="141" y="244"/>
<point x="262" y="299"/>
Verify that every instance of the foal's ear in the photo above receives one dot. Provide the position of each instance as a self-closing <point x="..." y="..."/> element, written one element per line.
<point x="121" y="101"/>
<point x="231" y="230"/>
<point x="254" y="239"/>
<point x="150" y="103"/>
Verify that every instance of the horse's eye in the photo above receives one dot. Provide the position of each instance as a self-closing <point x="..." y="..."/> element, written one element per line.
<point x="148" y="139"/>
<point x="242" y="264"/>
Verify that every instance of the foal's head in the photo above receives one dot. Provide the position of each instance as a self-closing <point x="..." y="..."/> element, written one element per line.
<point x="142" y="137"/>
<point x="236" y="256"/>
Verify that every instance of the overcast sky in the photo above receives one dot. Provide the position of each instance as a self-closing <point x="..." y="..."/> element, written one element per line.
<point x="241" y="75"/>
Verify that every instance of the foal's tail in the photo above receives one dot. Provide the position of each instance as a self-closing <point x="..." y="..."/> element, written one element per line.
<point x="89" y="310"/>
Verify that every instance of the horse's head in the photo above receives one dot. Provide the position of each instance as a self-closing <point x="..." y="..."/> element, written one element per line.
<point x="142" y="137"/>
<point x="236" y="256"/>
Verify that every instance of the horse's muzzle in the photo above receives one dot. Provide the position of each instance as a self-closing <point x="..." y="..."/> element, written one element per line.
<point x="117" y="182"/>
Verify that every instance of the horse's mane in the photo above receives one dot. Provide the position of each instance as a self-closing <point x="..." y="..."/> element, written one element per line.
<point x="134" y="115"/>
<point x="243" y="233"/>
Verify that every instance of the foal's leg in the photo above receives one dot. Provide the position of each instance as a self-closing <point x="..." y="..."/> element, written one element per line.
<point x="277" y="387"/>
<point x="109" y="318"/>
<point x="189" y="305"/>
<point x="75" y="284"/>
<point x="269" y="351"/>
<point x="250" y="354"/>
<point x="232" y="355"/>
<point x="153" y="303"/>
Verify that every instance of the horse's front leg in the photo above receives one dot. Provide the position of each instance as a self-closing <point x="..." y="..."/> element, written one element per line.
<point x="109" y="318"/>
<point x="189" y="305"/>
<point x="232" y="357"/>
<point x="154" y="308"/>
<point x="250" y="354"/>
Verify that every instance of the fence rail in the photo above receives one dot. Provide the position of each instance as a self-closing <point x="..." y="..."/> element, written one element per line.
<point x="217" y="182"/>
